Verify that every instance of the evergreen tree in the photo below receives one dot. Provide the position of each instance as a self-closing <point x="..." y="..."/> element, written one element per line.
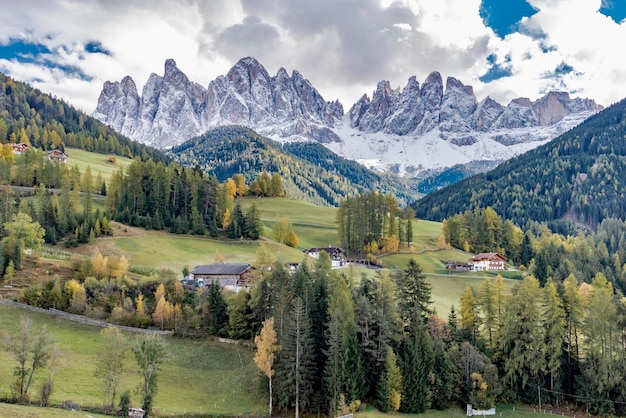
<point x="296" y="372"/>
<point x="574" y="316"/>
<point x="554" y="323"/>
<point x="414" y="294"/>
<point x="253" y="224"/>
<point x="389" y="387"/>
<point x="522" y="340"/>
<point x="415" y="357"/>
<point x="215" y="309"/>
<point x="444" y="378"/>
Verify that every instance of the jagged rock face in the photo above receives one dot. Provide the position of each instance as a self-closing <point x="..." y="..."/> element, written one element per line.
<point x="456" y="113"/>
<point x="412" y="128"/>
<point x="120" y="103"/>
<point x="173" y="109"/>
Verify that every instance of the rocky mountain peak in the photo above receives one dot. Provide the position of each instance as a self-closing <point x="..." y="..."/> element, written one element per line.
<point x="172" y="109"/>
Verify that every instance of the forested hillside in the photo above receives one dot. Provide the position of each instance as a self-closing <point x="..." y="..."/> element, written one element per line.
<point x="29" y="116"/>
<point x="579" y="176"/>
<point x="308" y="173"/>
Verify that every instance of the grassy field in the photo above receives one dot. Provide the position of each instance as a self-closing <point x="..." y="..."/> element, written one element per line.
<point x="199" y="376"/>
<point x="160" y="250"/>
<point x="314" y="225"/>
<point x="99" y="163"/>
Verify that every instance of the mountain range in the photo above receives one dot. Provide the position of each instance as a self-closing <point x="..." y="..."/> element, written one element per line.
<point x="405" y="131"/>
<point x="576" y="179"/>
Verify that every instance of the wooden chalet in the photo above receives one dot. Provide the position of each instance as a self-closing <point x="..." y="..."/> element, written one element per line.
<point x="231" y="276"/>
<point x="19" y="148"/>
<point x="56" y="156"/>
<point x="337" y="255"/>
<point x="487" y="262"/>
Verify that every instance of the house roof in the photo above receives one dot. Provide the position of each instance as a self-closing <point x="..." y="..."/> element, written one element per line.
<point x="57" y="152"/>
<point x="327" y="249"/>
<point x="488" y="256"/>
<point x="222" y="268"/>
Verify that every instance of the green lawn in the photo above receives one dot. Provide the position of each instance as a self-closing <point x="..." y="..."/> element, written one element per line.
<point x="162" y="250"/>
<point x="20" y="411"/>
<point x="98" y="162"/>
<point x="199" y="376"/>
<point x="314" y="225"/>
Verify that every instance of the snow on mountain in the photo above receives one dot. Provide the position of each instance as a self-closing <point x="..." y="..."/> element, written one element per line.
<point x="404" y="130"/>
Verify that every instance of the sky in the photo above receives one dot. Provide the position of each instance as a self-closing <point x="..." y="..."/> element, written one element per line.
<point x="503" y="48"/>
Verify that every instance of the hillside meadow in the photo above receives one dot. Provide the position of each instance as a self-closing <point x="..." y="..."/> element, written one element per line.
<point x="104" y="164"/>
<point x="199" y="376"/>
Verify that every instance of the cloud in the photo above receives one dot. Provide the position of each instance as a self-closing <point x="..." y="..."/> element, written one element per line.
<point x="249" y="38"/>
<point x="344" y="47"/>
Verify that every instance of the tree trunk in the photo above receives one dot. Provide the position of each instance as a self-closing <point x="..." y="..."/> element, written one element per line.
<point x="270" y="396"/>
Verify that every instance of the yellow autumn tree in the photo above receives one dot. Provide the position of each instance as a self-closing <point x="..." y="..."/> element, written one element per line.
<point x="226" y="220"/>
<point x="100" y="266"/>
<point x="77" y="295"/>
<point x="160" y="292"/>
<point x="162" y="313"/>
<point x="231" y="188"/>
<point x="266" y="343"/>
<point x="292" y="241"/>
<point x="118" y="267"/>
<point x="393" y="245"/>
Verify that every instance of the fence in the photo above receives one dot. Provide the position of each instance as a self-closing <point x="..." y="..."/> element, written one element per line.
<point x="81" y="319"/>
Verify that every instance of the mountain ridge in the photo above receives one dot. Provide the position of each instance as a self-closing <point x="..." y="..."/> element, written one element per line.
<point x="438" y="127"/>
<point x="577" y="178"/>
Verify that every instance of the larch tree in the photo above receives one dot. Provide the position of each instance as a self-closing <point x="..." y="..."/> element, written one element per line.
<point x="110" y="361"/>
<point x="31" y="349"/>
<point x="150" y="353"/>
<point x="468" y="310"/>
<point x="522" y="341"/>
<point x="486" y="299"/>
<point x="555" y="330"/>
<point x="574" y="317"/>
<point x="266" y="343"/>
<point x="602" y="362"/>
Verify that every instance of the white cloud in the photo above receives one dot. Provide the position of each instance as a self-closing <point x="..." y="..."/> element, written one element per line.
<point x="343" y="46"/>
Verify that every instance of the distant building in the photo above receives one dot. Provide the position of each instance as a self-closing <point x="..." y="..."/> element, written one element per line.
<point x="19" y="148"/>
<point x="231" y="276"/>
<point x="136" y="413"/>
<point x="337" y="256"/>
<point x="487" y="262"/>
<point x="56" y="156"/>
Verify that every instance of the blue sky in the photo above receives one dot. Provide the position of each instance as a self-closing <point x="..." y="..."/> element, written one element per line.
<point x="503" y="48"/>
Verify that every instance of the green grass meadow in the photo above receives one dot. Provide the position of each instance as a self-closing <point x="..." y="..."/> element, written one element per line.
<point x="199" y="376"/>
<point x="315" y="226"/>
<point x="97" y="162"/>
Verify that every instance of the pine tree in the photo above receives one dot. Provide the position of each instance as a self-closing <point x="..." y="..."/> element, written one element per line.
<point x="215" y="309"/>
<point x="554" y="323"/>
<point x="414" y="294"/>
<point x="389" y="387"/>
<point x="443" y="376"/>
<point x="415" y="356"/>
<point x="297" y="366"/>
<point x="253" y="224"/>
<point x="522" y="340"/>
